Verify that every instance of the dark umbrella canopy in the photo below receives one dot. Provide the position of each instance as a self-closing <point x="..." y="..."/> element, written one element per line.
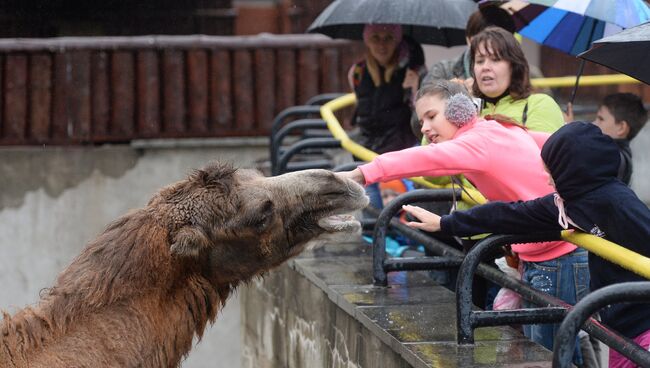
<point x="433" y="22"/>
<point x="627" y="52"/>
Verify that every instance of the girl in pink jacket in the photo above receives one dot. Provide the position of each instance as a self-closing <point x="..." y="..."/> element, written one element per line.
<point x="503" y="162"/>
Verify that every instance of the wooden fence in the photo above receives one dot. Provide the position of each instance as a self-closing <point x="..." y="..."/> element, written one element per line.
<point x="115" y="89"/>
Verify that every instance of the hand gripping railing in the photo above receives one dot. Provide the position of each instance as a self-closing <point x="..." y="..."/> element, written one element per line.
<point x="590" y="304"/>
<point x="381" y="264"/>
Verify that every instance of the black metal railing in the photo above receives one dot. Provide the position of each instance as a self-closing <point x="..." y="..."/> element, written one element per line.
<point x="564" y="344"/>
<point x="314" y="135"/>
<point x="383" y="264"/>
<point x="554" y="310"/>
<point x="293" y="112"/>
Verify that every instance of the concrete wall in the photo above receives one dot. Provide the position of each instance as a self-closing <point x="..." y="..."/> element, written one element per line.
<point x="54" y="200"/>
<point x="289" y="321"/>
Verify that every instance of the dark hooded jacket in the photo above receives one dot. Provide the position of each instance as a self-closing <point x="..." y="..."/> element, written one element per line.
<point x="584" y="164"/>
<point x="625" y="168"/>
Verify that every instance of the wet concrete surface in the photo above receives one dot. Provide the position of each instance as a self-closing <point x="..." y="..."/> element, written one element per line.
<point x="413" y="315"/>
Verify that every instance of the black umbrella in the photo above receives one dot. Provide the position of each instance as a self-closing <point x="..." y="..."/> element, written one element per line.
<point x="627" y="52"/>
<point x="433" y="22"/>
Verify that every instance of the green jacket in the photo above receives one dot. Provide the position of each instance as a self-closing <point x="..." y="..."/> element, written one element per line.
<point x="543" y="114"/>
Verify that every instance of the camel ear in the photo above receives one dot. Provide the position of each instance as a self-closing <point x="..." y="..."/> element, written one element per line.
<point x="189" y="241"/>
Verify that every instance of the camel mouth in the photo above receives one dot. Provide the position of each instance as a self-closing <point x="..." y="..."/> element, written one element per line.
<point x="340" y="223"/>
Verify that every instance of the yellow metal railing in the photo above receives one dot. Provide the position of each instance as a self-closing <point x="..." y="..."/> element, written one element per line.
<point x="585" y="80"/>
<point x="610" y="251"/>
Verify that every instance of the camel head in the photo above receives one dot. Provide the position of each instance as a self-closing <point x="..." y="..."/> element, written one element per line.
<point x="241" y="224"/>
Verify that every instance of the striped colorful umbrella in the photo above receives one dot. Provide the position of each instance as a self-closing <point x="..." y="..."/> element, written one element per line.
<point x="572" y="25"/>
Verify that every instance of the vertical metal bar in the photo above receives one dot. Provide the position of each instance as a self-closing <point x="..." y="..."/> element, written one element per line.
<point x="277" y="123"/>
<point x="379" y="234"/>
<point x="464" y="322"/>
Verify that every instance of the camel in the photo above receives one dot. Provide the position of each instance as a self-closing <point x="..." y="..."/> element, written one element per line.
<point x="139" y="293"/>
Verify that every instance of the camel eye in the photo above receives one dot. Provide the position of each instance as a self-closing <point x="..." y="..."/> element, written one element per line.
<point x="263" y="216"/>
<point x="334" y="194"/>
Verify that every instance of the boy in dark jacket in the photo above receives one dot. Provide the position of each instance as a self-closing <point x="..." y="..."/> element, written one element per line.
<point x="583" y="163"/>
<point x="621" y="116"/>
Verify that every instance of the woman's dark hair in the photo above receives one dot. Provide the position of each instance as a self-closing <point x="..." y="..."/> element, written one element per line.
<point x="502" y="44"/>
<point x="487" y="16"/>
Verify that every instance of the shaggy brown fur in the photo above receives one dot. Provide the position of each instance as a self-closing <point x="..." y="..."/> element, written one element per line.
<point x="138" y="294"/>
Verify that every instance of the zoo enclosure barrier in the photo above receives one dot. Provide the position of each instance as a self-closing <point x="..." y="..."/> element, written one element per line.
<point x="625" y="292"/>
<point x="555" y="310"/>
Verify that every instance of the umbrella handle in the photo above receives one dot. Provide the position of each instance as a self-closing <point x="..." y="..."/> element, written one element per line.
<point x="575" y="87"/>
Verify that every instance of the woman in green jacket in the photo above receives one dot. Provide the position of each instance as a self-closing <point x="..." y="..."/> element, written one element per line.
<point x="501" y="79"/>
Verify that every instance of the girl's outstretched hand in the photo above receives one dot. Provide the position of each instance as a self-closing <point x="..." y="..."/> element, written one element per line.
<point x="355" y="175"/>
<point x="430" y="221"/>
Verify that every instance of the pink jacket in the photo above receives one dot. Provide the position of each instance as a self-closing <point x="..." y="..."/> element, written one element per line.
<point x="502" y="161"/>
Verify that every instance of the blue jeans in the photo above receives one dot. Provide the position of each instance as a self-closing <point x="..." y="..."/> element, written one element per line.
<point x="565" y="278"/>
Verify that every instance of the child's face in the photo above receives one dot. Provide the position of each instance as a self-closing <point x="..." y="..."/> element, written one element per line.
<point x="382" y="45"/>
<point x="551" y="182"/>
<point x="433" y="124"/>
<point x="608" y="124"/>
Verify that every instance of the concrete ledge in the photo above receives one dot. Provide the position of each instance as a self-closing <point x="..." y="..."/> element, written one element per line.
<point x="200" y="142"/>
<point x="321" y="310"/>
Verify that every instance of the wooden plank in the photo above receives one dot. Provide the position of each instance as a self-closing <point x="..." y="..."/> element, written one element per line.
<point x="100" y="96"/>
<point x="164" y="42"/>
<point x="197" y="91"/>
<point x="307" y="74"/>
<point x="264" y="89"/>
<point x="79" y="95"/>
<point x="243" y="87"/>
<point x="286" y="77"/>
<point x="173" y="91"/>
<point x="60" y="99"/>
<point x="221" y="112"/>
<point x="15" y="89"/>
<point x="329" y="73"/>
<point x="40" y="103"/>
<point x="148" y="95"/>
<point x="123" y="94"/>
<point x="348" y="58"/>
